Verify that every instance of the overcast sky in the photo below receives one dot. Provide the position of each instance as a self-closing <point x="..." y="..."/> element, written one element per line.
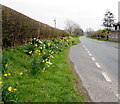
<point x="86" y="13"/>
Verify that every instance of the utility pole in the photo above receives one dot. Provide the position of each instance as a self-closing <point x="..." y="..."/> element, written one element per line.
<point x="55" y="22"/>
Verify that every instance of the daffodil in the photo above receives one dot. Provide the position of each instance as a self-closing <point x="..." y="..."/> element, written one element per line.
<point x="43" y="61"/>
<point x="15" y="89"/>
<point x="1" y="82"/>
<point x="48" y="43"/>
<point x="39" y="54"/>
<point x="9" y="74"/>
<point x="5" y="75"/>
<point x="43" y="70"/>
<point x="30" y="42"/>
<point x="9" y="89"/>
<point x="21" y="73"/>
<point x="39" y="41"/>
<point x="30" y="52"/>
<point x="48" y="62"/>
<point x="51" y="56"/>
<point x="41" y="48"/>
<point x="37" y="50"/>
<point x="43" y="52"/>
<point x="6" y="65"/>
<point x="52" y="52"/>
<point x="35" y="45"/>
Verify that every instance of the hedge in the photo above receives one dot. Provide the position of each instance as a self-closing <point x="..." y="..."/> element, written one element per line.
<point x="18" y="29"/>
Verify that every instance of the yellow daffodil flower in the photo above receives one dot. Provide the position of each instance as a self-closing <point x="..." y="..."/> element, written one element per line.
<point x="6" y="65"/>
<point x="38" y="53"/>
<point x="9" y="89"/>
<point x="52" y="52"/>
<point x="47" y="62"/>
<point x="30" y="42"/>
<point x="9" y="74"/>
<point x="43" y="61"/>
<point x="41" y="48"/>
<point x="38" y="50"/>
<point x="21" y="73"/>
<point x="1" y="82"/>
<point x="14" y="89"/>
<point x="30" y="52"/>
<point x="35" y="45"/>
<point x="51" y="56"/>
<point x="43" y="70"/>
<point x="5" y="75"/>
<point x="43" y="52"/>
<point x="48" y="43"/>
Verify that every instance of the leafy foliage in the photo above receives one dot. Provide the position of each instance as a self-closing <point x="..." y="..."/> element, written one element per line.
<point x="18" y="28"/>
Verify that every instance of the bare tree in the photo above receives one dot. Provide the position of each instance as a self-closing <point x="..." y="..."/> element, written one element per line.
<point x="77" y="30"/>
<point x="89" y="31"/>
<point x="69" y="26"/>
<point x="73" y="28"/>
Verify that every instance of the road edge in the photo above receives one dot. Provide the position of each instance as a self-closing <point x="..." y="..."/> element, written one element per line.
<point x="78" y="83"/>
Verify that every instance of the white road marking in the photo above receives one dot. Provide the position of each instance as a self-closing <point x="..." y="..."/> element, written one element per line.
<point x="83" y="45"/>
<point x="93" y="58"/>
<point x="117" y="95"/>
<point x="90" y="54"/>
<point x="86" y="49"/>
<point x="97" y="65"/>
<point x="106" y="77"/>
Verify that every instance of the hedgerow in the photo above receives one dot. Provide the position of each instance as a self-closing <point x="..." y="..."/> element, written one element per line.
<point x="18" y="28"/>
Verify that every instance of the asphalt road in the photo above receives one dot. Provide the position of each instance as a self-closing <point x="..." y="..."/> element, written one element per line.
<point x="96" y="62"/>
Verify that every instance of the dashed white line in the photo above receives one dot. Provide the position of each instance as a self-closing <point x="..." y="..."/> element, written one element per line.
<point x="90" y="54"/>
<point x="83" y="45"/>
<point x="117" y="95"/>
<point x="97" y="65"/>
<point x="93" y="58"/>
<point x="86" y="49"/>
<point x="106" y="77"/>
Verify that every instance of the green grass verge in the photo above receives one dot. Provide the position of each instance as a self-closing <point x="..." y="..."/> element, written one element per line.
<point x="103" y="40"/>
<point x="77" y="40"/>
<point x="56" y="84"/>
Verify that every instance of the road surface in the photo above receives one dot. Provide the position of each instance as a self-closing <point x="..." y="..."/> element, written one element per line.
<point x="96" y="62"/>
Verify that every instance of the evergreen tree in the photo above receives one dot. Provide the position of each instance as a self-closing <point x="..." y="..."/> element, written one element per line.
<point x="108" y="20"/>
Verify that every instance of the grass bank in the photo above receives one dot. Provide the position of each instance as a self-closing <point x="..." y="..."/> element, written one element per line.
<point x="103" y="40"/>
<point x="56" y="84"/>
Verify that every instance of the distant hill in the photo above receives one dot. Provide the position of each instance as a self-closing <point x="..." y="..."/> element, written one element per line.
<point x="18" y="28"/>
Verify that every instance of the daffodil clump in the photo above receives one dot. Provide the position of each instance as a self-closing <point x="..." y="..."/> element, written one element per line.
<point x="43" y="51"/>
<point x="9" y="92"/>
